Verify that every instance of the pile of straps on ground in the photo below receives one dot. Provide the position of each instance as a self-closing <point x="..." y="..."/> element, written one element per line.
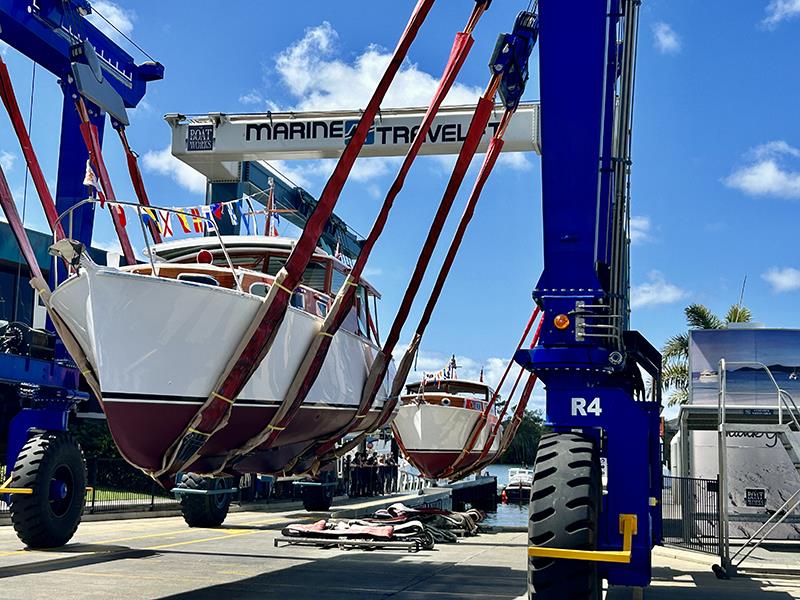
<point x="426" y="526"/>
<point x="508" y="76"/>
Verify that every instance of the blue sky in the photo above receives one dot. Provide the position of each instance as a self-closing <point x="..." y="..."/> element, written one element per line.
<point x="716" y="176"/>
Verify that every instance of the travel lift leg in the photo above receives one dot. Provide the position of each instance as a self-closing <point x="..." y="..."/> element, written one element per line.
<point x="605" y="429"/>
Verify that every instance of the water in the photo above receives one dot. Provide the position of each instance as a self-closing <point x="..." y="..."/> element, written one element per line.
<point x="507" y="515"/>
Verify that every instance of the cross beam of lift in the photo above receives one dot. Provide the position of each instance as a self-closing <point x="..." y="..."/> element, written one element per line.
<point x="228" y="148"/>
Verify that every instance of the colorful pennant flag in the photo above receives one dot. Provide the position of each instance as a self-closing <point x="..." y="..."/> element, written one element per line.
<point x="208" y="212"/>
<point x="166" y="225"/>
<point x="232" y="213"/>
<point x="184" y="221"/>
<point x="199" y="224"/>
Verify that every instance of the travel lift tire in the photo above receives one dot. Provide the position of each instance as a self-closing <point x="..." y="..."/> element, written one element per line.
<point x="52" y="465"/>
<point x="204" y="510"/>
<point x="564" y="511"/>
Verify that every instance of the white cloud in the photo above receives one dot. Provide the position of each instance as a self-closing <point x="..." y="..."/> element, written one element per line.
<point x="665" y="38"/>
<point x="516" y="161"/>
<point x="163" y="163"/>
<point x="780" y="10"/>
<point x="468" y="368"/>
<point x="783" y="279"/>
<point x="639" y="230"/>
<point x="767" y="173"/>
<point x="318" y="80"/>
<point x="251" y="97"/>
<point x="121" y="18"/>
<point x="7" y="160"/>
<point x="656" y="290"/>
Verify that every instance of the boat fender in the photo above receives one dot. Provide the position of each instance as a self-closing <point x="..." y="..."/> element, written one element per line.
<point x="445" y="401"/>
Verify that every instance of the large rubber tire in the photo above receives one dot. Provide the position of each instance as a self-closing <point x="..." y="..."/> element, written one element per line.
<point x="204" y="510"/>
<point x="52" y="465"/>
<point x="564" y="512"/>
<point x="317" y="498"/>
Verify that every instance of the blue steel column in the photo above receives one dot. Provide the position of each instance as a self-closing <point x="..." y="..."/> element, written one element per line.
<point x="71" y="170"/>
<point x="578" y="70"/>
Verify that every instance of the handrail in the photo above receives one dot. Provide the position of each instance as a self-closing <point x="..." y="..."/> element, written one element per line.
<point x="791" y="407"/>
<point x="721" y="404"/>
<point x="150" y="254"/>
<point x="784" y="400"/>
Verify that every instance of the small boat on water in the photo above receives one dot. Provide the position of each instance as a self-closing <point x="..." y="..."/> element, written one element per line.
<point x="435" y="420"/>
<point x="159" y="334"/>
<point x="519" y="485"/>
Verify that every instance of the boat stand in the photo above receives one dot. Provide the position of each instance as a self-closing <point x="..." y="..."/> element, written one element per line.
<point x="411" y="546"/>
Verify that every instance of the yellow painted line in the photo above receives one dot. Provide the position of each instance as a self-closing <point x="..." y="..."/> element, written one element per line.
<point x="182" y="531"/>
<point x="208" y="539"/>
<point x="230" y="532"/>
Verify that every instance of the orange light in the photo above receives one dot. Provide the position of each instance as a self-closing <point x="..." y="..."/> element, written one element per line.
<point x="561" y="321"/>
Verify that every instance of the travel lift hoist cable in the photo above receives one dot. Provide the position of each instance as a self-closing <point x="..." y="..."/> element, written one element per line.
<point x="215" y="412"/>
<point x="509" y="73"/>
<point x="315" y="355"/>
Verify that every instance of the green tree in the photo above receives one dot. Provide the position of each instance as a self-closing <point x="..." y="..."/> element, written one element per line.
<point x="675" y="371"/>
<point x="522" y="450"/>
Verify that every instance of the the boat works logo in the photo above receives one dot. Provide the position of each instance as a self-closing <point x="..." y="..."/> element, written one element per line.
<point x="199" y="138"/>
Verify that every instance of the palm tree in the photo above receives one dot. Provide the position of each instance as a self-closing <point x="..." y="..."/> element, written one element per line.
<point x="675" y="372"/>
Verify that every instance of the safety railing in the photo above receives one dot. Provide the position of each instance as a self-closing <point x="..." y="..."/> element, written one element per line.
<point x="691" y="513"/>
<point x="140" y="212"/>
<point x="787" y="415"/>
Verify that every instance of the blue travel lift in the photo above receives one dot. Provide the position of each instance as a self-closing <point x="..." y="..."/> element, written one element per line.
<point x="595" y="503"/>
<point x="40" y="383"/>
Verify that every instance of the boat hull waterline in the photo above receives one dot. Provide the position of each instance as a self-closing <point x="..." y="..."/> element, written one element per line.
<point x="158" y="346"/>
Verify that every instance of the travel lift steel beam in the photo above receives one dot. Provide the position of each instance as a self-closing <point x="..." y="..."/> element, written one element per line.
<point x="587" y="358"/>
<point x="231" y="150"/>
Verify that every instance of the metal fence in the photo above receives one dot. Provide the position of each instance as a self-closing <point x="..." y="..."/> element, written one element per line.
<point x="690" y="508"/>
<point x="113" y="485"/>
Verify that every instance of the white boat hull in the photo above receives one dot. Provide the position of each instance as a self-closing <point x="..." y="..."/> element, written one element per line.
<point x="159" y="345"/>
<point x="433" y="436"/>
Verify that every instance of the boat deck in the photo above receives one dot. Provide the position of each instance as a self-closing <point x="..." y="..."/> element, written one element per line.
<point x="162" y="558"/>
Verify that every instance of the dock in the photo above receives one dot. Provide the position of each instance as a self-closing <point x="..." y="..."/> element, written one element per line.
<point x="163" y="558"/>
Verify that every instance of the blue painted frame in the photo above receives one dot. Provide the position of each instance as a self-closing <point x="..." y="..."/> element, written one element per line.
<point x="579" y="64"/>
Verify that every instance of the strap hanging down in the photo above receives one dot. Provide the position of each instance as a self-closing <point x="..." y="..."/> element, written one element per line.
<point x="92" y="141"/>
<point x="14" y="113"/>
<point x="136" y="178"/>
<point x="477" y="428"/>
<point x="256" y="343"/>
<point x="314" y="358"/>
<point x="380" y="366"/>
<point x="453" y="470"/>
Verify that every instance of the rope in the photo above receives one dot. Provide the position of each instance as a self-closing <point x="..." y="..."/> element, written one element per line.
<point x="134" y="44"/>
<point x="258" y="339"/>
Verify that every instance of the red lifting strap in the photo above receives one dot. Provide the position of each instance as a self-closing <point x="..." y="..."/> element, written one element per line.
<point x="256" y="343"/>
<point x="17" y="228"/>
<point x="509" y="433"/>
<point x="381" y="364"/>
<point x="136" y="180"/>
<point x="477" y="428"/>
<point x="92" y="141"/>
<point x="315" y="356"/>
<point x="12" y="107"/>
